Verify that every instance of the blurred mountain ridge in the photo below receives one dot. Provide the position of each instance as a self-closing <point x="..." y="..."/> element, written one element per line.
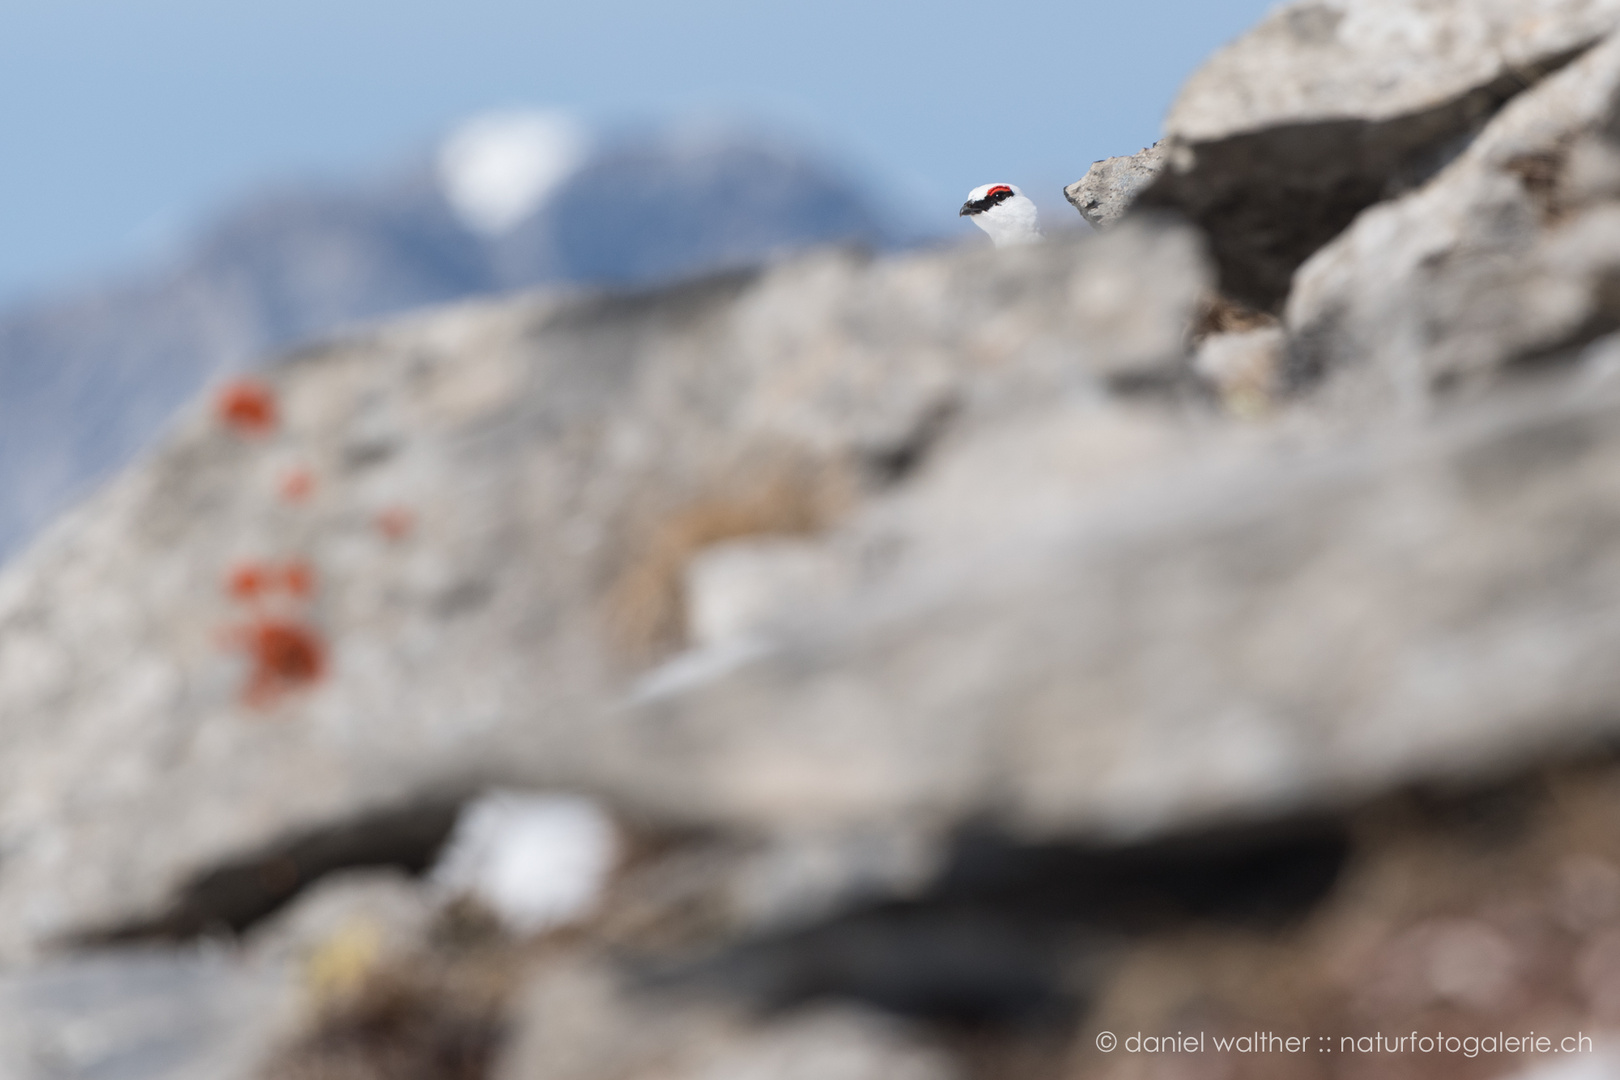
<point x="89" y="377"/>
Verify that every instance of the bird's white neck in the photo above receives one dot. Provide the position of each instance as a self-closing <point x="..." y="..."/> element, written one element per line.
<point x="1011" y="223"/>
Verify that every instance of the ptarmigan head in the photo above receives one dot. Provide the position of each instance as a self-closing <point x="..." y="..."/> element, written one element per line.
<point x="1002" y="211"/>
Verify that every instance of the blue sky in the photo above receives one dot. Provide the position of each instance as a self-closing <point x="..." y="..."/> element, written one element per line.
<point x="123" y="123"/>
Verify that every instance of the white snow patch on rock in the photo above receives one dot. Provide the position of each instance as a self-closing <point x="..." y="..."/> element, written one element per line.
<point x="740" y="587"/>
<point x="535" y="861"/>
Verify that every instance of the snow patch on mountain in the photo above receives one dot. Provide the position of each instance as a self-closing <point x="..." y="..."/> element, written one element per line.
<point x="497" y="168"/>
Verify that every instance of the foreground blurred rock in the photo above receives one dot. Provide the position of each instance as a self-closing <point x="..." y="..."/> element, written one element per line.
<point x="142" y="1015"/>
<point x="956" y="654"/>
<point x="578" y="1024"/>
<point x="1261" y="627"/>
<point x="502" y="503"/>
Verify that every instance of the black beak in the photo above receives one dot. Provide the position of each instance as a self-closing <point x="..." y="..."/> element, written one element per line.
<point x="968" y="210"/>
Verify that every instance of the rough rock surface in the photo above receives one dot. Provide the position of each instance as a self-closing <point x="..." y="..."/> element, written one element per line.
<point x="580" y="1023"/>
<point x="493" y="512"/>
<point x="1132" y="660"/>
<point x="1110" y="186"/>
<point x="1328" y="106"/>
<point x="147" y="1015"/>
<point x="1509" y="255"/>
<point x="1245" y="367"/>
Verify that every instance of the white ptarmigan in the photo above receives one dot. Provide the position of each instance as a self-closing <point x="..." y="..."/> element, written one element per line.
<point x="1004" y="212"/>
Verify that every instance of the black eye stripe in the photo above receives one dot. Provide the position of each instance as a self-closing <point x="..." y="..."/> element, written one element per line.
<point x="979" y="206"/>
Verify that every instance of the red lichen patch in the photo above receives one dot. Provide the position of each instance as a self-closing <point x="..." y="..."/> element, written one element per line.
<point x="247" y="407"/>
<point x="396" y="523"/>
<point x="297" y="485"/>
<point x="285" y="653"/>
<point x="247" y="581"/>
<point x="252" y="581"/>
<point x="298" y="578"/>
<point x="286" y="656"/>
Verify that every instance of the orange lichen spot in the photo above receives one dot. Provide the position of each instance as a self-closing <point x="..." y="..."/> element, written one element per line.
<point x="253" y="581"/>
<point x="247" y="406"/>
<point x="298" y="578"/>
<point x="396" y="523"/>
<point x="297" y="485"/>
<point x="286" y="656"/>
<point x="248" y="581"/>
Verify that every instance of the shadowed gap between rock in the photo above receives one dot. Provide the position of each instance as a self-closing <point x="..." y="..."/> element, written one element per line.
<point x="1016" y="937"/>
<point x="1008" y="931"/>
<point x="994" y="895"/>
<point x="235" y="895"/>
<point x="1009" y="934"/>
<point x="1269" y="199"/>
<point x="890" y="465"/>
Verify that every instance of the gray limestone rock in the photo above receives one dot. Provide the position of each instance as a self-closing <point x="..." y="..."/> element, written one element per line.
<point x="579" y="1021"/>
<point x="734" y="588"/>
<point x="1508" y="255"/>
<point x="143" y="1015"/>
<point x="1244" y="367"/>
<point x="1328" y="106"/>
<point x="1110" y="186"/>
<point x="204" y="669"/>
<point x="1231" y="628"/>
<point x="382" y="908"/>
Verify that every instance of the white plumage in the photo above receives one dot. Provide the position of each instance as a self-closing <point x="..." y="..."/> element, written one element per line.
<point x="1004" y="212"/>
